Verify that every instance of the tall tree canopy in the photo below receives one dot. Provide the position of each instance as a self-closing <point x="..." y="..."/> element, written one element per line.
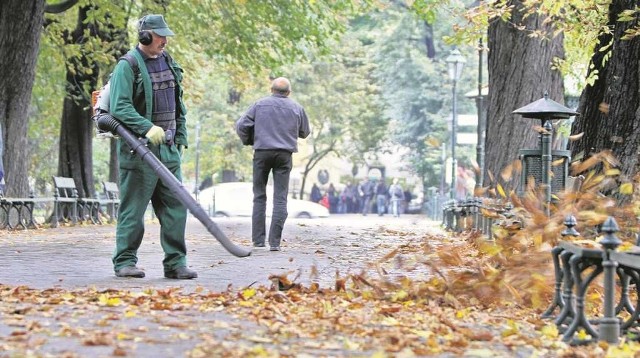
<point x="247" y="38"/>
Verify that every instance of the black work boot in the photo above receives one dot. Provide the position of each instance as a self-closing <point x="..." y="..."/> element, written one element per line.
<point x="181" y="273"/>
<point x="130" y="271"/>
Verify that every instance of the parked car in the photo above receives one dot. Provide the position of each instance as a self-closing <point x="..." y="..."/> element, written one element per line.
<point x="236" y="199"/>
<point x="415" y="205"/>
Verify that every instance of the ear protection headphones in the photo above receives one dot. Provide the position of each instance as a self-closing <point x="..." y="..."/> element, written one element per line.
<point x="144" y="36"/>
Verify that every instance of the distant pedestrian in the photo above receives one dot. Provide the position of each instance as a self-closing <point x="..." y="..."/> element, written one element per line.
<point x="333" y="199"/>
<point x="272" y="125"/>
<point x="350" y="198"/>
<point x="396" y="195"/>
<point x="406" y="199"/>
<point x="381" y="197"/>
<point x="366" y="194"/>
<point x="316" y="195"/>
<point x="325" y="201"/>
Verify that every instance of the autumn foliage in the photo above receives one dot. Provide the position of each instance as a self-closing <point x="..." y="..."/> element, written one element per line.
<point x="441" y="293"/>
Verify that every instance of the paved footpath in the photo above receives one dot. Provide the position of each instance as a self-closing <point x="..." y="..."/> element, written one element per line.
<point x="80" y="256"/>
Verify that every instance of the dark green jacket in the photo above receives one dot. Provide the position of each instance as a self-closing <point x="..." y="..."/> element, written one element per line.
<point x="134" y="109"/>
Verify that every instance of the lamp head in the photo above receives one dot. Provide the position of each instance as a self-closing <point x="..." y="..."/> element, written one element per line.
<point x="455" y="62"/>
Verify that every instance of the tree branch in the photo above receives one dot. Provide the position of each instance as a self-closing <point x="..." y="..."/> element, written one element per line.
<point x="60" y="7"/>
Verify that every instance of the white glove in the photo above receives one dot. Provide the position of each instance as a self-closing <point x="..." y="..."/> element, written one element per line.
<point x="155" y="135"/>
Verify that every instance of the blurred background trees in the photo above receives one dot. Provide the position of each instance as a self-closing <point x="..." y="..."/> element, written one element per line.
<point x="371" y="75"/>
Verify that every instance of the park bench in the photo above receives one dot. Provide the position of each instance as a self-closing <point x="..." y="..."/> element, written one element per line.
<point x="111" y="199"/>
<point x="65" y="205"/>
<point x="68" y="206"/>
<point x="576" y="267"/>
<point x="18" y="212"/>
<point x="483" y="213"/>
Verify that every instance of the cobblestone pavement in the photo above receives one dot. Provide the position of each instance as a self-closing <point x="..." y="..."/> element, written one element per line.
<point x="80" y="256"/>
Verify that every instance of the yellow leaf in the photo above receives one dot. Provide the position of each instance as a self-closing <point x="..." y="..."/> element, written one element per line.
<point x="109" y="301"/>
<point x="501" y="191"/>
<point x="612" y="172"/>
<point x="259" y="351"/>
<point x="593" y="296"/>
<point x="389" y="321"/>
<point x="113" y="301"/>
<point x="625" y="349"/>
<point x="422" y="333"/>
<point x="511" y="330"/>
<point x="433" y="342"/>
<point x="400" y="296"/>
<point x="550" y="330"/>
<point x="626" y="246"/>
<point x="490" y="248"/>
<point x="626" y="189"/>
<point x="129" y="314"/>
<point x="463" y="312"/>
<point x="583" y="335"/>
<point x="248" y="293"/>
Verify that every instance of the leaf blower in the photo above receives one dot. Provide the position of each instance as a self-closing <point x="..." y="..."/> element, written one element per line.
<point x="106" y="122"/>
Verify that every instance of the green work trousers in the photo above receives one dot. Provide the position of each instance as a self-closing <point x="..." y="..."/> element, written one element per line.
<point x="139" y="184"/>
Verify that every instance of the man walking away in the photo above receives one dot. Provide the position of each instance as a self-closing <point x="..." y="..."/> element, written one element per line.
<point x="272" y="125"/>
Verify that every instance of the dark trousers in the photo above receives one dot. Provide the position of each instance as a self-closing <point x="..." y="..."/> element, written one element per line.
<point x="265" y="162"/>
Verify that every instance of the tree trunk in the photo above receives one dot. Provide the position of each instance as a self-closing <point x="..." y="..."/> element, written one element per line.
<point x="519" y="73"/>
<point x="76" y="130"/>
<point x="114" y="171"/>
<point x="20" y="27"/>
<point x="610" y="110"/>
<point x="313" y="159"/>
<point x="119" y="36"/>
<point x="428" y="41"/>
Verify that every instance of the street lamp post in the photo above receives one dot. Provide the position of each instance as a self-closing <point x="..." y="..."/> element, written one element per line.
<point x="455" y="63"/>
<point x="482" y="123"/>
<point x="197" y="158"/>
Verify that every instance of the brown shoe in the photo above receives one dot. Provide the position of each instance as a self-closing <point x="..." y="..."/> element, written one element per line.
<point x="181" y="273"/>
<point x="130" y="271"/>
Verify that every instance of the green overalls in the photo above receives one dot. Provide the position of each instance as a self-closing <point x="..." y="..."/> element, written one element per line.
<point x="139" y="184"/>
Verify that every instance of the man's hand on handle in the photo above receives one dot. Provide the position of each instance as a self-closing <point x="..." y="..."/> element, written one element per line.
<point x="155" y="135"/>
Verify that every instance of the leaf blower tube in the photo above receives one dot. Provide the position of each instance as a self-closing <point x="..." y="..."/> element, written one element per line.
<point x="108" y="123"/>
